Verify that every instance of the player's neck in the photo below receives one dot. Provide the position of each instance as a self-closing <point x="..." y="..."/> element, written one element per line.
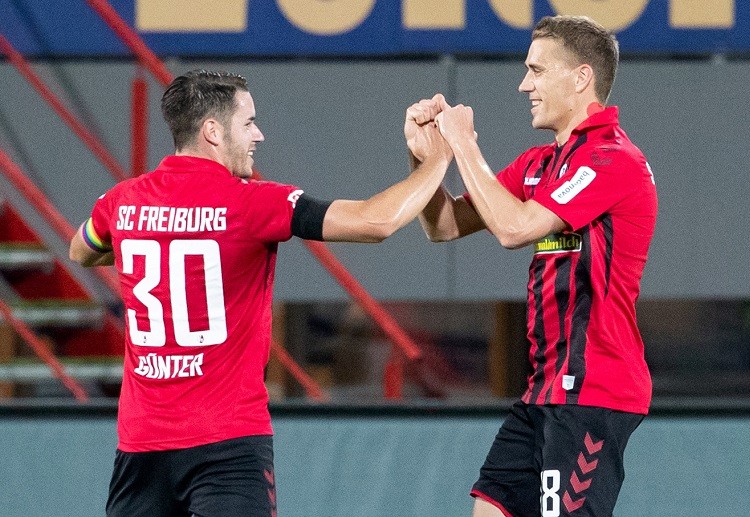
<point x="198" y="152"/>
<point x="582" y="111"/>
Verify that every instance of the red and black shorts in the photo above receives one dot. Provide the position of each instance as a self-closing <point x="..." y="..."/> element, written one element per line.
<point x="231" y="478"/>
<point x="557" y="460"/>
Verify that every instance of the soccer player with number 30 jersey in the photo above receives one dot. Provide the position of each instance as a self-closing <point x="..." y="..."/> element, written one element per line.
<point x="194" y="243"/>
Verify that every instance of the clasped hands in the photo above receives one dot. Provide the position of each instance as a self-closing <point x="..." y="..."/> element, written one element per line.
<point x="433" y="127"/>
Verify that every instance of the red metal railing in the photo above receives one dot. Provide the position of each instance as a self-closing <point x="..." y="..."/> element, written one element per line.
<point x="78" y="128"/>
<point x="386" y="322"/>
<point x="400" y="339"/>
<point x="42" y="205"/>
<point x="139" y="125"/>
<point x="44" y="353"/>
<point x="133" y="41"/>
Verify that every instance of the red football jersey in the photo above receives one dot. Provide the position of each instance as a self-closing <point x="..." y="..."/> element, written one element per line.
<point x="583" y="283"/>
<point x="195" y="249"/>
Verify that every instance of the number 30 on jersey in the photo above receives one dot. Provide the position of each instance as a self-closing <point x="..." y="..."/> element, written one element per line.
<point x="213" y="287"/>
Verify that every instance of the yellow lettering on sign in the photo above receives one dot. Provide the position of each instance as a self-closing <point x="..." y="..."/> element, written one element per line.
<point x="191" y="16"/>
<point x="434" y="14"/>
<point x="326" y="17"/>
<point x="516" y="13"/>
<point x="699" y="14"/>
<point x="614" y="15"/>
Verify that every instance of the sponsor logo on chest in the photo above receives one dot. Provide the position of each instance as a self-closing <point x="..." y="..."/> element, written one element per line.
<point x="559" y="243"/>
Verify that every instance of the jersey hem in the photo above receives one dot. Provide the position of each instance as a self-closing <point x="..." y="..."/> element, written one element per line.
<point x="184" y="444"/>
<point x="637" y="409"/>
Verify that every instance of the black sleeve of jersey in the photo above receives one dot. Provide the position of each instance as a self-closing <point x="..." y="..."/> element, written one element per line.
<point x="307" y="219"/>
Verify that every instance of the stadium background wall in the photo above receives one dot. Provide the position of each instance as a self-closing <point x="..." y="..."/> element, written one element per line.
<point x="400" y="463"/>
<point x="334" y="127"/>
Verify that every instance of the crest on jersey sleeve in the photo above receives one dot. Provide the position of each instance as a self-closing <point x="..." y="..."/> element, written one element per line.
<point x="294" y="196"/>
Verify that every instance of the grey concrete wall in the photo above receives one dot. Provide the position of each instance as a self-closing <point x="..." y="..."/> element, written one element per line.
<point x="334" y="128"/>
<point x="377" y="466"/>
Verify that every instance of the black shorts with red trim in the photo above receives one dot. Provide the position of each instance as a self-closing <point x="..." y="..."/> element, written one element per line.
<point x="231" y="478"/>
<point x="557" y="460"/>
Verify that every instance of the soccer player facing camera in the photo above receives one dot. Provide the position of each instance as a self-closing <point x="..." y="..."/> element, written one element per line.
<point x="587" y="205"/>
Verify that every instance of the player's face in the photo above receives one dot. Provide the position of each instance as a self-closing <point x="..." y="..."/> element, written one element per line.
<point x="242" y="137"/>
<point x="550" y="84"/>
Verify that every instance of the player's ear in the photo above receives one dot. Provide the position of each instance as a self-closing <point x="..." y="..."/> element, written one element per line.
<point x="212" y="131"/>
<point x="584" y="77"/>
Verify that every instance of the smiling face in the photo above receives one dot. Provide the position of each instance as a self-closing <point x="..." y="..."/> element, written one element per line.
<point x="550" y="82"/>
<point x="241" y="137"/>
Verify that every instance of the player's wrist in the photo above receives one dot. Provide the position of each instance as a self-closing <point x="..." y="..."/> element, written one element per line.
<point x="463" y="145"/>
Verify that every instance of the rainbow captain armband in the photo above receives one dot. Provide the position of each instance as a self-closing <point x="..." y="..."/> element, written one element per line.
<point x="92" y="239"/>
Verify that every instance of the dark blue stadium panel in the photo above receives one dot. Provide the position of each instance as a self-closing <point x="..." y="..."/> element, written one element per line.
<point x="363" y="27"/>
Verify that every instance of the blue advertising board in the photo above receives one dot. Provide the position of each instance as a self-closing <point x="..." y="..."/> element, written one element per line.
<point x="70" y="28"/>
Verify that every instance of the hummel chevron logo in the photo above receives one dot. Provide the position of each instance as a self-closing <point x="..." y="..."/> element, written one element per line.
<point x="578" y="485"/>
<point x="591" y="445"/>
<point x="268" y="474"/>
<point x="570" y="504"/>
<point x="586" y="466"/>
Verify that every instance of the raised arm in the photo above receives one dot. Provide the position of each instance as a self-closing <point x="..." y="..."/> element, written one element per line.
<point x="445" y="217"/>
<point x="514" y="223"/>
<point x="378" y="217"/>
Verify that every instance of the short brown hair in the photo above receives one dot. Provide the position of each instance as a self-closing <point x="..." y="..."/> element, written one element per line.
<point x="588" y="42"/>
<point x="192" y="98"/>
